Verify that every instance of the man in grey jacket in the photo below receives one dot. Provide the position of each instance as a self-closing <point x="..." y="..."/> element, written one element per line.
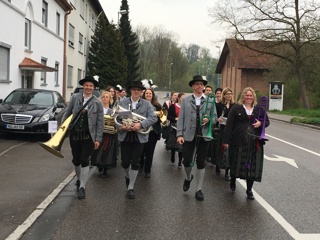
<point x="131" y="137"/>
<point x="87" y="130"/>
<point x="193" y="121"/>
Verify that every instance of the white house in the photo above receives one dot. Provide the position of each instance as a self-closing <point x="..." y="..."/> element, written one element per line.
<point x="32" y="44"/>
<point x="81" y="25"/>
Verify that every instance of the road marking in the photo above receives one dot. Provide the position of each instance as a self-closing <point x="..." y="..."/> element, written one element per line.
<point x="278" y="158"/>
<point x="10" y="148"/>
<point x="21" y="229"/>
<point x="304" y="149"/>
<point x="287" y="226"/>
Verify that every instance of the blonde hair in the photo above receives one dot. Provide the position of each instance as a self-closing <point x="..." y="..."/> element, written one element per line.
<point x="109" y="94"/>
<point x="243" y="93"/>
<point x="224" y="91"/>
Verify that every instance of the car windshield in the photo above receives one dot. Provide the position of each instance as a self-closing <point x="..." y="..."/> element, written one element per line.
<point x="24" y="97"/>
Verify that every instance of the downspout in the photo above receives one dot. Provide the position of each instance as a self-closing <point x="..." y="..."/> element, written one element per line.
<point x="64" y="80"/>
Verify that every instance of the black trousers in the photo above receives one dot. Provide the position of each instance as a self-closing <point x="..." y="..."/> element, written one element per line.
<point x="82" y="148"/>
<point x="130" y="154"/>
<point x="148" y="152"/>
<point x="202" y="151"/>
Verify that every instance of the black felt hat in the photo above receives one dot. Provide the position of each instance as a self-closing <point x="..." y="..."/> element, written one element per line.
<point x="197" y="78"/>
<point x="137" y="84"/>
<point x="89" y="79"/>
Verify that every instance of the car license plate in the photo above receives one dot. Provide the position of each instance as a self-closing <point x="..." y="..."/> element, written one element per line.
<point x="10" y="126"/>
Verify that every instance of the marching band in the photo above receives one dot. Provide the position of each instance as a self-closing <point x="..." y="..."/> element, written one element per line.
<point x="201" y="126"/>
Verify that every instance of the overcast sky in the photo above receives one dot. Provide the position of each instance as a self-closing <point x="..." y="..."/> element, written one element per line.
<point x="188" y="19"/>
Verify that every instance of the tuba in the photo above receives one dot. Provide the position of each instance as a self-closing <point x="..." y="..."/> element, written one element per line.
<point x="129" y="121"/>
<point x="109" y="125"/>
<point x="54" y="144"/>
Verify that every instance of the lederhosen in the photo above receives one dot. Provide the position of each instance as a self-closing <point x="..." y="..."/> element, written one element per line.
<point x="81" y="142"/>
<point x="131" y="150"/>
<point x="202" y="146"/>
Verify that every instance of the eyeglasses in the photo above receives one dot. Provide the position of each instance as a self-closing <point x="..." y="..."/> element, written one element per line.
<point x="229" y="93"/>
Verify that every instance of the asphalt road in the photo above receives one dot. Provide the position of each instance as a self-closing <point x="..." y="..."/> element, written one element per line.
<point x="286" y="205"/>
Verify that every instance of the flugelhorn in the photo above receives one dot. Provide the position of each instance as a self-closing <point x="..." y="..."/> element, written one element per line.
<point x="162" y="114"/>
<point x="131" y="120"/>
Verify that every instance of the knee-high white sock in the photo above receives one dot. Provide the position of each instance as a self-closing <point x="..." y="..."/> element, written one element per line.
<point x="133" y="176"/>
<point x="78" y="171"/>
<point x="199" y="178"/>
<point x="84" y="176"/>
<point x="126" y="170"/>
<point x="188" y="172"/>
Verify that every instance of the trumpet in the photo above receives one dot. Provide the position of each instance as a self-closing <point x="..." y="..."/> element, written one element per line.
<point x="162" y="114"/>
<point x="130" y="120"/>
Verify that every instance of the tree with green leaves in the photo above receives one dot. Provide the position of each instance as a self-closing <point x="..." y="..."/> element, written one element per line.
<point x="106" y="55"/>
<point x="289" y="26"/>
<point x="131" y="44"/>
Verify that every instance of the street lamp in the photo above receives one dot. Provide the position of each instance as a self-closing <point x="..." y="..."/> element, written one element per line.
<point x="219" y="76"/>
<point x="170" y="76"/>
<point x="122" y="12"/>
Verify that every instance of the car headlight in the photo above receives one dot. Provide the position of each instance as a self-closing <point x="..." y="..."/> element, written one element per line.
<point x="45" y="118"/>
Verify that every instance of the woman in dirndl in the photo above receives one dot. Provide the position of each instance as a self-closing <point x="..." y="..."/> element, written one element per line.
<point x="223" y="108"/>
<point x="172" y="144"/>
<point x="103" y="156"/>
<point x="242" y="136"/>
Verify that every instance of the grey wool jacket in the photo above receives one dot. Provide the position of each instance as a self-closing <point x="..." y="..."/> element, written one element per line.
<point x="95" y="114"/>
<point x="187" y="120"/>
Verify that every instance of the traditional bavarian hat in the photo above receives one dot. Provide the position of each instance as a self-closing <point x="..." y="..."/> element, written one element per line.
<point x="197" y="78"/>
<point x="89" y="79"/>
<point x="137" y="84"/>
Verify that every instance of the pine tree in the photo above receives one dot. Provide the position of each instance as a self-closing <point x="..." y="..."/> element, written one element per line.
<point x="131" y="44"/>
<point x="106" y="55"/>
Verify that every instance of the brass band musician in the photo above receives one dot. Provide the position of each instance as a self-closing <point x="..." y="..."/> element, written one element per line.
<point x="189" y="127"/>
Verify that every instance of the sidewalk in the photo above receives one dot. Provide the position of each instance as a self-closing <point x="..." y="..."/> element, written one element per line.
<point x="287" y="118"/>
<point x="280" y="117"/>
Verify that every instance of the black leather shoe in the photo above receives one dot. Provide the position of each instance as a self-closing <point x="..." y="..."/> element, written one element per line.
<point x="147" y="175"/>
<point x="78" y="185"/>
<point x="186" y="184"/>
<point x="233" y="185"/>
<point x="127" y="181"/>
<point x="130" y="194"/>
<point x="199" y="195"/>
<point x="81" y="193"/>
<point x="250" y="195"/>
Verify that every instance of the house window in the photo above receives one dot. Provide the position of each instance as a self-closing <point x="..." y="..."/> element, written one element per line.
<point x="45" y="13"/>
<point x="82" y="4"/>
<point x="58" y="23"/>
<point x="27" y="34"/>
<point x="90" y="19"/>
<point x="56" y="74"/>
<point x="71" y="35"/>
<point x="44" y="74"/>
<point x="79" y="74"/>
<point x="69" y="80"/>
<point x="4" y="63"/>
<point x="80" y="43"/>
